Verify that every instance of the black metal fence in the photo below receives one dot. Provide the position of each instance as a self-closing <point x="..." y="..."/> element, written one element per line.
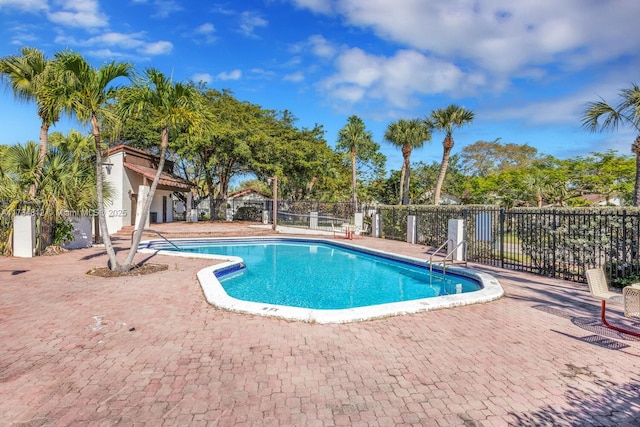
<point x="327" y="215"/>
<point x="559" y="243"/>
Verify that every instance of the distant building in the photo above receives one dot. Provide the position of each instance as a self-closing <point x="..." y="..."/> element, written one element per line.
<point x="445" y="199"/>
<point x="602" y="199"/>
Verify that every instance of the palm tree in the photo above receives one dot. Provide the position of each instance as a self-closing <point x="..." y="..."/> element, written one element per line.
<point x="407" y="134"/>
<point x="29" y="75"/>
<point x="351" y="138"/>
<point x="539" y="184"/>
<point x="20" y="167"/>
<point x="447" y="120"/>
<point x="67" y="181"/>
<point x="626" y="112"/>
<point x="171" y="107"/>
<point x="85" y="94"/>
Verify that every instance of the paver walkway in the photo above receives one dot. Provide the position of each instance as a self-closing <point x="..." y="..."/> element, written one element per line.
<point x="148" y="350"/>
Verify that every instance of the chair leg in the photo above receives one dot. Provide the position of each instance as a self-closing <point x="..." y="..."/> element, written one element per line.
<point x="615" y="328"/>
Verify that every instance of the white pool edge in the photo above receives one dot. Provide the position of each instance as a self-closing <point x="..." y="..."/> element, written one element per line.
<point x="216" y="295"/>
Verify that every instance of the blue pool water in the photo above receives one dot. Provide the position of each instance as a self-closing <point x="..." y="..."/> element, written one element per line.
<point x="319" y="275"/>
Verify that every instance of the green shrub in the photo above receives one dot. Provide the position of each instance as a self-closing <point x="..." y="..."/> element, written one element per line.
<point x="62" y="232"/>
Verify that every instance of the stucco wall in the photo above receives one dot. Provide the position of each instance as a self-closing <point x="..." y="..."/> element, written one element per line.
<point x="82" y="232"/>
<point x="115" y="178"/>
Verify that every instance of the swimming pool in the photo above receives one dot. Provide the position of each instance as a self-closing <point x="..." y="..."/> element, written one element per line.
<point x="324" y="281"/>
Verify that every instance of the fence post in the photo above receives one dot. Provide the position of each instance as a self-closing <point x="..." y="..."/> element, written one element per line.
<point x="412" y="229"/>
<point x="502" y="220"/>
<point x="456" y="236"/>
<point x="313" y="220"/>
<point x="376" y="225"/>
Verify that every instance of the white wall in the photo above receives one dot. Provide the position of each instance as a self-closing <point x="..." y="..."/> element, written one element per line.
<point x="82" y="232"/>
<point x="156" y="205"/>
<point x="115" y="209"/>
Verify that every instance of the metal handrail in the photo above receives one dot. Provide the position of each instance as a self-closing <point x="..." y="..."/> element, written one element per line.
<point x="148" y="230"/>
<point x="464" y="255"/>
<point x="435" y="252"/>
<point x="444" y="260"/>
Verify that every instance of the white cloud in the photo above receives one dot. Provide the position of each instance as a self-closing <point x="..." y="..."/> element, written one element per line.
<point x="230" y="75"/>
<point x="203" y="34"/>
<point x="157" y="48"/>
<point x="501" y="37"/>
<point x="249" y="21"/>
<point x="321" y="6"/>
<point x="395" y="80"/>
<point x="206" y="28"/>
<point x="79" y="14"/>
<point x="24" y="5"/>
<point x="205" y="78"/>
<point x="261" y="73"/>
<point x="128" y="42"/>
<point x="165" y="8"/>
<point x="321" y="47"/>
<point x="296" y="77"/>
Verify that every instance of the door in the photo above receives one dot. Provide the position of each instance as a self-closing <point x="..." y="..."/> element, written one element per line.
<point x="164" y="208"/>
<point x="134" y="208"/>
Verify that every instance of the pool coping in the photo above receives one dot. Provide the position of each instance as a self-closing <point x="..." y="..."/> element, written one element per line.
<point x="215" y="294"/>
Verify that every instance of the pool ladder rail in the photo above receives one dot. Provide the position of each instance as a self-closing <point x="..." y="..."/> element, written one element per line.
<point x="462" y="243"/>
<point x="148" y="230"/>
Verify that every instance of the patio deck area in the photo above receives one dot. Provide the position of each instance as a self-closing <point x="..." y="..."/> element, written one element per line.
<point x="148" y="350"/>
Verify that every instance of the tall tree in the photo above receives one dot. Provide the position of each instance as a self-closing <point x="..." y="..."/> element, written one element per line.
<point x="627" y="112"/>
<point x="170" y="107"/>
<point x="447" y="120"/>
<point x="357" y="141"/>
<point x="85" y="95"/>
<point x="483" y="158"/>
<point x="407" y="134"/>
<point x="224" y="150"/>
<point x="30" y="75"/>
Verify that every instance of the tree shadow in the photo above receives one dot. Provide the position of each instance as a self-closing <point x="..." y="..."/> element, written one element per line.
<point x="14" y="272"/>
<point x="611" y="405"/>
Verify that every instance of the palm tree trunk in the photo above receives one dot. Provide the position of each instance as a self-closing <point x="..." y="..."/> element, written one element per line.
<point x="128" y="263"/>
<point x="42" y="155"/>
<point x="406" y="166"/>
<point x="447" y="145"/>
<point x="407" y="178"/>
<point x="353" y="179"/>
<point x="635" y="149"/>
<point x="102" y="220"/>
<point x="402" y="174"/>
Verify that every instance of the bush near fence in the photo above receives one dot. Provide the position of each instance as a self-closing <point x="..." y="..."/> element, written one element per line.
<point x="559" y="242"/>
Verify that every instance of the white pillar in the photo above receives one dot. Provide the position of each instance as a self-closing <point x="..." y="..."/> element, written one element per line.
<point x="412" y="229"/>
<point x="376" y="225"/>
<point x="358" y="220"/>
<point x="143" y="192"/>
<point x="456" y="236"/>
<point x="187" y="215"/>
<point x="24" y="236"/>
<point x="313" y="220"/>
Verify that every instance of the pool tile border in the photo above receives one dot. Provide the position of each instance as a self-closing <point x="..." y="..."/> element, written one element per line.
<point x="216" y="295"/>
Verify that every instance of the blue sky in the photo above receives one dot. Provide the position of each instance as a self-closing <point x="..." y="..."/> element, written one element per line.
<point x="526" y="68"/>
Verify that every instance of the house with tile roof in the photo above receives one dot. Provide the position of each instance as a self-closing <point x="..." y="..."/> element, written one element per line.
<point x="129" y="173"/>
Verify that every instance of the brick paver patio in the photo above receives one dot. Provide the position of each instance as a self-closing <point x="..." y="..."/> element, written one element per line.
<point x="148" y="350"/>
